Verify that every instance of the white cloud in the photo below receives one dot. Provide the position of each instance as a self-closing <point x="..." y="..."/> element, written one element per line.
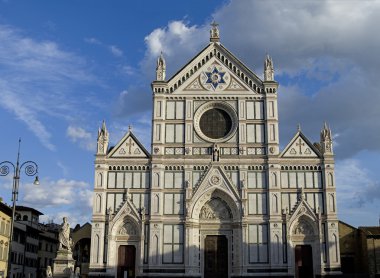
<point x="328" y="45"/>
<point x="92" y="41"/>
<point x="36" y="78"/>
<point x="81" y="136"/>
<point x="115" y="51"/>
<point x="61" y="197"/>
<point x="358" y="194"/>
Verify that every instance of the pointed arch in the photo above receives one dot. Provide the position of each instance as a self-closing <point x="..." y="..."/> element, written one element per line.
<point x="156" y="203"/>
<point x="155" y="254"/>
<point x="99" y="180"/>
<point x="275" y="203"/>
<point x="330" y="179"/>
<point x="156" y="180"/>
<point x="334" y="255"/>
<point x="332" y="202"/>
<point x="206" y="196"/>
<point x="98" y="203"/>
<point x="274" y="179"/>
<point x="97" y="248"/>
<point x="276" y="249"/>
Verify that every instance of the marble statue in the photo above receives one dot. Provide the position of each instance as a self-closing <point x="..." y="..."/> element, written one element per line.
<point x="64" y="235"/>
<point x="48" y="271"/>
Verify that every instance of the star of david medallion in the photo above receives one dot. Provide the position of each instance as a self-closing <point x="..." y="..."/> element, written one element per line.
<point x="215" y="78"/>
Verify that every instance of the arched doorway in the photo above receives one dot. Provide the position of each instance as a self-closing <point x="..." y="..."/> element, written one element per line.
<point x="217" y="232"/>
<point x="305" y="242"/>
<point x="216" y="259"/>
<point x="125" y="248"/>
<point x="126" y="261"/>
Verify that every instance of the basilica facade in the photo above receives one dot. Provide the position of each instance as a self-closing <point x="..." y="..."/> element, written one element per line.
<point x="215" y="196"/>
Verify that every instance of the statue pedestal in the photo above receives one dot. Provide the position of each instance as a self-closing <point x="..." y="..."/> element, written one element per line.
<point x="63" y="264"/>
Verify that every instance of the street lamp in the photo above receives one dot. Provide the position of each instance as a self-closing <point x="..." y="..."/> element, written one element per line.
<point x="31" y="169"/>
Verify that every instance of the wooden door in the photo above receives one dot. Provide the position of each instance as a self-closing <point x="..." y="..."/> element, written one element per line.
<point x="216" y="257"/>
<point x="126" y="261"/>
<point x="304" y="261"/>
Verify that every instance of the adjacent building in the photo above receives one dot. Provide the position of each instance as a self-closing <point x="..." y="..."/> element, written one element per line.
<point x="81" y="236"/>
<point x="47" y="247"/>
<point x="24" y="255"/>
<point x="360" y="250"/>
<point x="5" y="223"/>
<point x="215" y="196"/>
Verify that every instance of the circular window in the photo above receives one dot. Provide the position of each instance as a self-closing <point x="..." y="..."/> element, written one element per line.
<point x="215" y="121"/>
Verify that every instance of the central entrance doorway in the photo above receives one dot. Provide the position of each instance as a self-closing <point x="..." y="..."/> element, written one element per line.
<point x="216" y="257"/>
<point x="126" y="261"/>
<point x="304" y="261"/>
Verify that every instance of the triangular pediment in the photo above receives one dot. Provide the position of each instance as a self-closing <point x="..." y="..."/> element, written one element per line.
<point x="215" y="69"/>
<point x="129" y="147"/>
<point x="300" y="147"/>
<point x="126" y="210"/>
<point x="215" y="177"/>
<point x="302" y="207"/>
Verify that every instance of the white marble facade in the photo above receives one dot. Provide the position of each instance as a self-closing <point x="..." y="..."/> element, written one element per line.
<point x="215" y="169"/>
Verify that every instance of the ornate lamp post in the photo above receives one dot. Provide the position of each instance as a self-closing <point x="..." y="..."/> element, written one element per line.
<point x="31" y="169"/>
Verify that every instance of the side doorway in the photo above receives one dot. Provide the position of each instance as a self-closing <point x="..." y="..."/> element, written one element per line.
<point x="126" y="261"/>
<point x="304" y="261"/>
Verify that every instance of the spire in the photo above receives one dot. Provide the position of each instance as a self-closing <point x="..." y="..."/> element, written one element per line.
<point x="326" y="139"/>
<point x="214" y="32"/>
<point x="103" y="139"/>
<point x="268" y="69"/>
<point x="161" y="68"/>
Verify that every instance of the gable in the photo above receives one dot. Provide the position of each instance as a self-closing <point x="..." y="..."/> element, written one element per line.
<point x="214" y="77"/>
<point x="215" y="177"/>
<point x="300" y="146"/>
<point x="129" y="147"/>
<point x="195" y="76"/>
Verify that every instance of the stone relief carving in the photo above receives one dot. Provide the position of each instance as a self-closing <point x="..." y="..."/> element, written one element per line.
<point x="128" y="229"/>
<point x="303" y="228"/>
<point x="215" y="209"/>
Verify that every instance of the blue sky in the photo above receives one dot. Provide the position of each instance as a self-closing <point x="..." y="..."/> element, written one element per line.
<point x="65" y="66"/>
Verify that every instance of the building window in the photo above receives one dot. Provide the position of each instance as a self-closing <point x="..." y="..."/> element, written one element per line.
<point x="255" y="110"/>
<point x="174" y="133"/>
<point x="114" y="200"/>
<point x="174" y="180"/>
<point x="196" y="177"/>
<point x="258" y="243"/>
<point x="173" y="244"/>
<point x="257" y="180"/>
<point x="128" y="179"/>
<point x="255" y="133"/>
<point x="141" y="200"/>
<point x="2" y="227"/>
<point x="173" y="203"/>
<point x="301" y="179"/>
<point x="234" y="177"/>
<point x="257" y="203"/>
<point x="174" y="110"/>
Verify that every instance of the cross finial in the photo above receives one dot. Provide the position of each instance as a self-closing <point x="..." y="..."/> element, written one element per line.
<point x="214" y="32"/>
<point x="299" y="127"/>
<point x="130" y="128"/>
